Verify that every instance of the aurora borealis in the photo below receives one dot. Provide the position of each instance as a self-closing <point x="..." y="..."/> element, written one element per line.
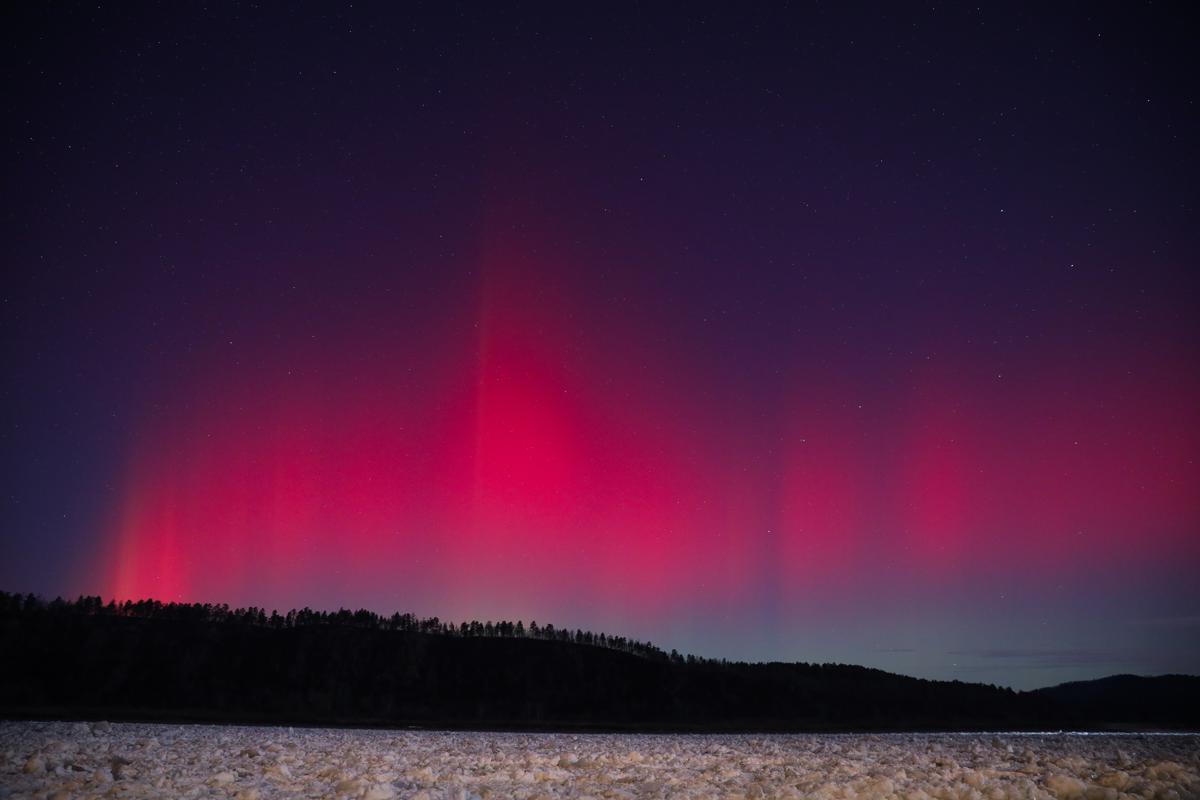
<point x="805" y="335"/>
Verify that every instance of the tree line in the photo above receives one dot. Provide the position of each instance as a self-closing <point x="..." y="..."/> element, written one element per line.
<point x="220" y="613"/>
<point x="202" y="662"/>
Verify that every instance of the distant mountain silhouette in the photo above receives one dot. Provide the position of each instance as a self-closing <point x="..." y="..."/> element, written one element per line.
<point x="149" y="660"/>
<point x="1171" y="700"/>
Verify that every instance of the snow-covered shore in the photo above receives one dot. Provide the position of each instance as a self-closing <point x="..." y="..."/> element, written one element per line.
<point x="80" y="760"/>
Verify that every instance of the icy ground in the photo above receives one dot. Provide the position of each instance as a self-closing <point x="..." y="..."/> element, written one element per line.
<point x="69" y="760"/>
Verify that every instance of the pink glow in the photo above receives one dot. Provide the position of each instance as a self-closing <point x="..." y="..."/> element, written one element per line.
<point x="519" y="463"/>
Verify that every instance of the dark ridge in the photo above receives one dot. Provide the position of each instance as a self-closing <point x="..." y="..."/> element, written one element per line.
<point x="181" y="662"/>
<point x="1168" y="700"/>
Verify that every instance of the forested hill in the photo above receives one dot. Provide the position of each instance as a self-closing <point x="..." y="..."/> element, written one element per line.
<point x="150" y="660"/>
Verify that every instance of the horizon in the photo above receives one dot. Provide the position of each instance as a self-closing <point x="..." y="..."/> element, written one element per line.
<point x="853" y="336"/>
<point x="530" y="632"/>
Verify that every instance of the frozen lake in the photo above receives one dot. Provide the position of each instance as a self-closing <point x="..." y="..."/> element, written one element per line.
<point x="70" y="760"/>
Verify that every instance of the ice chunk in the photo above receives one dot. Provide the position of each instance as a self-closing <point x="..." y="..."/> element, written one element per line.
<point x="1065" y="787"/>
<point x="224" y="778"/>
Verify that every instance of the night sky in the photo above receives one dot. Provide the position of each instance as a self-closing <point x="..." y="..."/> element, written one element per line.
<point x="822" y="333"/>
